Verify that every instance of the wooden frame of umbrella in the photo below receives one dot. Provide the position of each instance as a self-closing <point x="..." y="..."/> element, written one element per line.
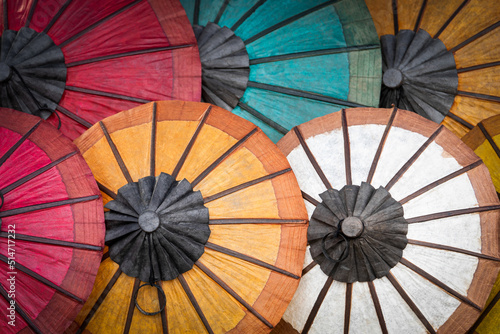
<point x="317" y="172"/>
<point x="440" y="58"/>
<point x="57" y="57"/>
<point x="23" y="215"/>
<point x="258" y="64"/>
<point x="218" y="154"/>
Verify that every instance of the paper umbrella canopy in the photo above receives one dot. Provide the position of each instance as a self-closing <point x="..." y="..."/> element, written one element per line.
<point x="280" y="63"/>
<point x="88" y="59"/>
<point x="403" y="233"/>
<point x="206" y="226"/>
<point x="440" y="58"/>
<point x="52" y="226"/>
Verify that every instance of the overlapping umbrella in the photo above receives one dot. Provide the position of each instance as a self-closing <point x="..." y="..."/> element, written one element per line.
<point x="279" y="64"/>
<point x="88" y="59"/>
<point x="206" y="225"/>
<point x="403" y="233"/>
<point x="52" y="226"/>
<point x="441" y="58"/>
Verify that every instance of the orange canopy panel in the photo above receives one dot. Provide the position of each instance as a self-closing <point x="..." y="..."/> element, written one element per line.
<point x="206" y="225"/>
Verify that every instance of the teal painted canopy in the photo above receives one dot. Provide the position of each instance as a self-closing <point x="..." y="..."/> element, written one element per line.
<point x="307" y="58"/>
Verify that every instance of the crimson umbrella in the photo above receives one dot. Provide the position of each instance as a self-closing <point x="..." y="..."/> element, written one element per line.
<point x="52" y="226"/>
<point x="88" y="59"/>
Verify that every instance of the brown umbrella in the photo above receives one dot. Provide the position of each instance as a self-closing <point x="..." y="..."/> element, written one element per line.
<point x="205" y="228"/>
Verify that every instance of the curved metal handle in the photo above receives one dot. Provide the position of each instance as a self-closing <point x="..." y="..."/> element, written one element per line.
<point x="160" y="289"/>
<point x="344" y="254"/>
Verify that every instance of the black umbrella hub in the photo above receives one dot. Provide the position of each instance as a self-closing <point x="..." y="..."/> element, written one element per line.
<point x="32" y="72"/>
<point x="419" y="74"/>
<point x="225" y="65"/>
<point x="156" y="228"/>
<point x="357" y="233"/>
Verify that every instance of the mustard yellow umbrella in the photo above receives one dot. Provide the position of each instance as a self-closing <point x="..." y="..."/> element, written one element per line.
<point x="206" y="224"/>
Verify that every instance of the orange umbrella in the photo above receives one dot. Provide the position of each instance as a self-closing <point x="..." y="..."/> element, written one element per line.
<point x="205" y="228"/>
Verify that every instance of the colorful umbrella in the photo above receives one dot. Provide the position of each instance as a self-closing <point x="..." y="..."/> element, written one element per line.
<point x="441" y="58"/>
<point x="269" y="61"/>
<point x="52" y="226"/>
<point x="403" y="233"/>
<point x="88" y="59"/>
<point x="206" y="225"/>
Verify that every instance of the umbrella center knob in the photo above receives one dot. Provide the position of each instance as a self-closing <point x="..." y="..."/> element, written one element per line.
<point x="393" y="78"/>
<point x="5" y="72"/>
<point x="149" y="221"/>
<point x="352" y="227"/>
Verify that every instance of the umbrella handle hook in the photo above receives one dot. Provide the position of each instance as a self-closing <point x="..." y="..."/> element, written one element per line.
<point x="345" y="252"/>
<point x="160" y="291"/>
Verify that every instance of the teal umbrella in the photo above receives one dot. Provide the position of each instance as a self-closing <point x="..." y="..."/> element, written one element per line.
<point x="281" y="63"/>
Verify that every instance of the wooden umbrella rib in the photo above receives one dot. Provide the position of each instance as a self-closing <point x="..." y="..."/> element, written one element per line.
<point x="74" y="117"/>
<point x="376" y="158"/>
<point x="116" y="153"/>
<point x="489" y="138"/>
<point x="451" y="213"/>
<point x="163" y="313"/>
<point x="106" y="94"/>
<point x="221" y="158"/>
<point x="347" y="149"/>
<point x="415" y="156"/>
<point x="348" y="304"/>
<point x="18" y="143"/>
<point x="35" y="173"/>
<point x="476" y="36"/>
<point x="183" y="158"/>
<point x="483" y="315"/>
<point x="460" y="120"/>
<point x="229" y="221"/>
<point x="309" y="267"/>
<point x="30" y="14"/>
<point x="131" y="306"/>
<point x="478" y="67"/>
<point x="378" y="308"/>
<point x="455" y="13"/>
<point x="221" y="11"/>
<point x="303" y="94"/>
<point x="99" y="301"/>
<point x="317" y="305"/>
<point x="250" y="259"/>
<point x="453" y="249"/>
<point x="395" y="16"/>
<point x="311" y="158"/>
<point x="194" y="302"/>
<point x="441" y="181"/>
<point x="31" y="208"/>
<point x="105" y="256"/>
<point x="101" y="21"/>
<point x="57" y="16"/>
<point x="438" y="283"/>
<point x="127" y="54"/>
<point x="152" y="153"/>
<point x="288" y="21"/>
<point x="247" y="14"/>
<point x="5" y="15"/>
<point x="314" y="53"/>
<point x="41" y="279"/>
<point x="263" y="118"/>
<point x="410" y="303"/>
<point x="19" y="309"/>
<point x="54" y="242"/>
<point x="420" y="15"/>
<point x="106" y="190"/>
<point x="196" y="14"/>
<point x="310" y="199"/>
<point x="479" y="96"/>
<point x="245" y="185"/>
<point x="228" y="289"/>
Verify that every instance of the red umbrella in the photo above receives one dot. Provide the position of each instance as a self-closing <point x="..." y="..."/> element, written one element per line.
<point x="88" y="59"/>
<point x="52" y="226"/>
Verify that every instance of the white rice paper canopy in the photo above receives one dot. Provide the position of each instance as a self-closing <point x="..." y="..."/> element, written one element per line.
<point x="403" y="234"/>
